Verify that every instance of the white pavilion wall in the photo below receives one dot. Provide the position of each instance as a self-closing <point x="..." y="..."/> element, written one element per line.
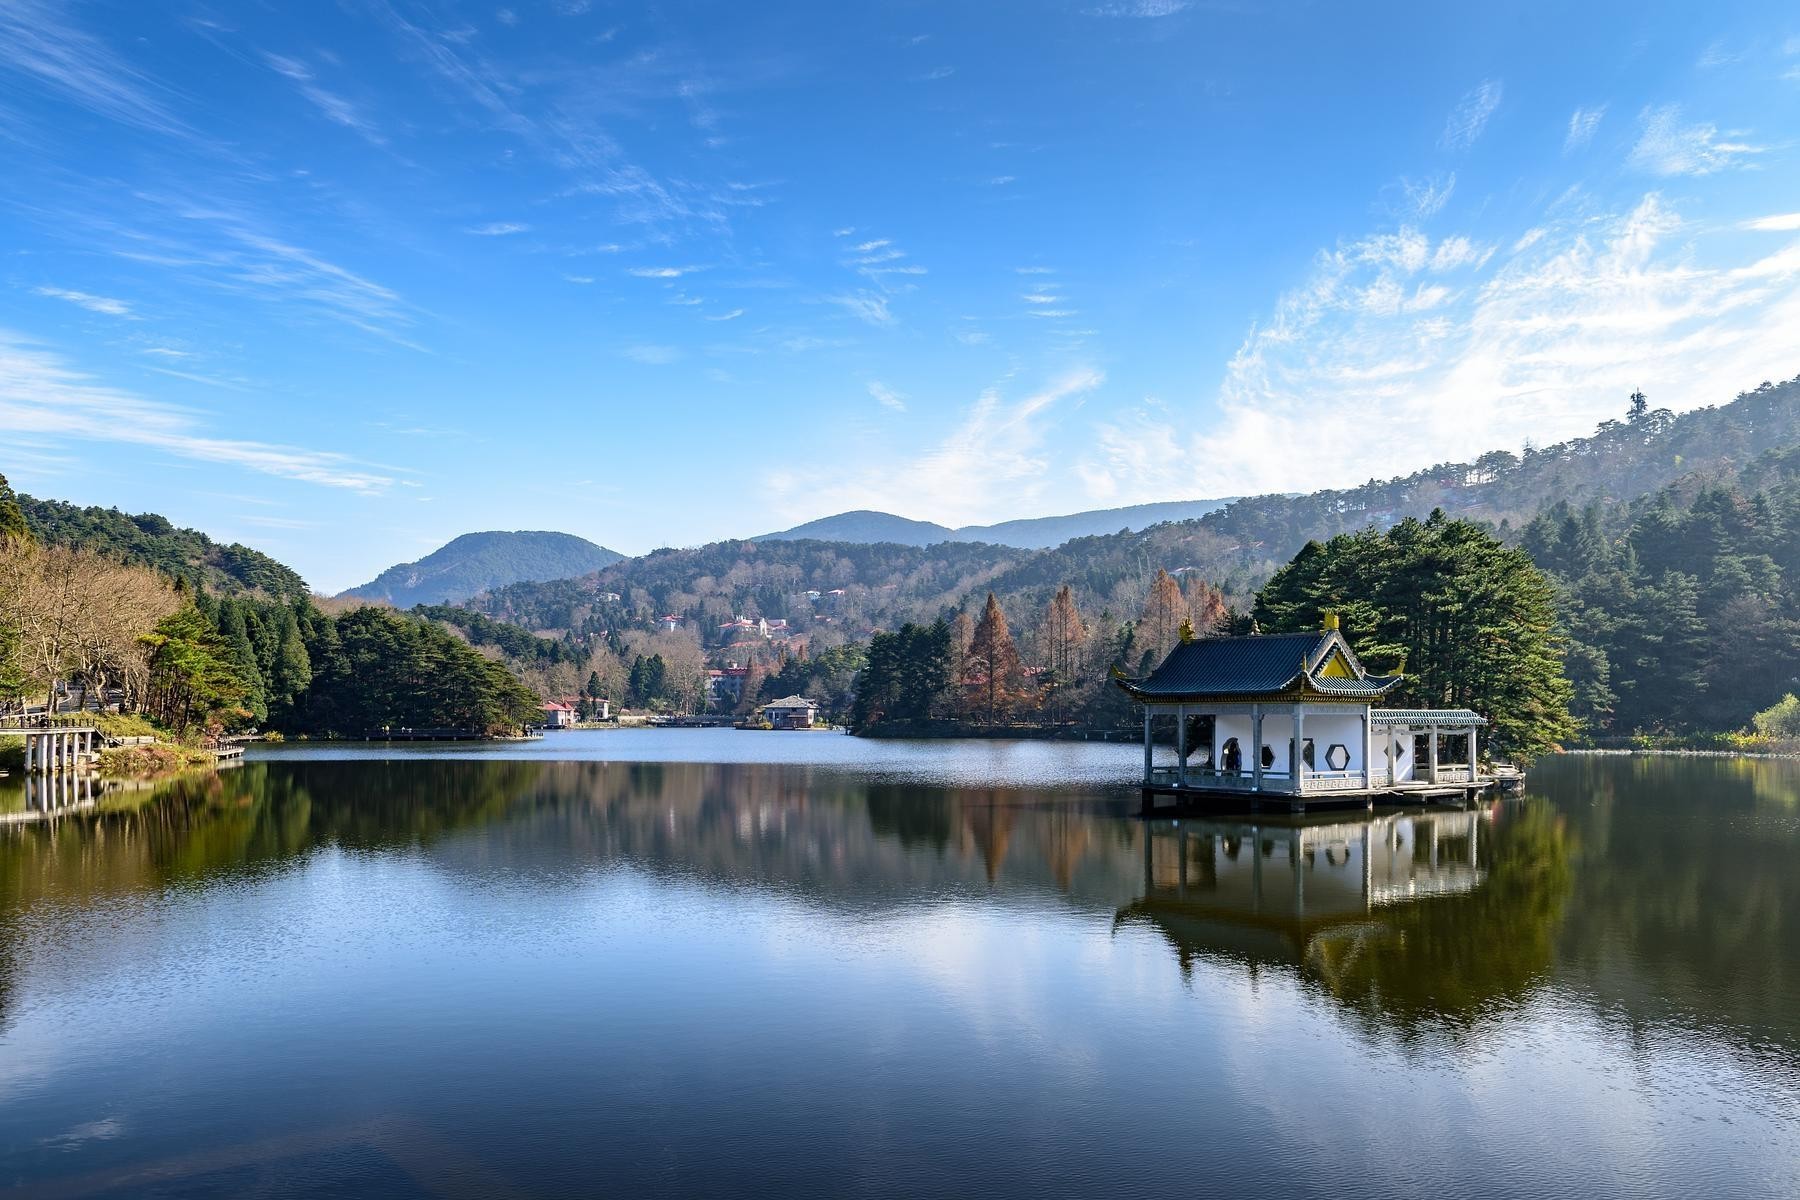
<point x="1402" y="738"/>
<point x="1344" y="729"/>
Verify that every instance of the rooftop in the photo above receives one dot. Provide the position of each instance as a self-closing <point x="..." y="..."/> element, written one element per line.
<point x="1262" y="665"/>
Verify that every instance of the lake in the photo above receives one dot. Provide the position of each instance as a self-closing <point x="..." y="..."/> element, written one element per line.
<point x="674" y="963"/>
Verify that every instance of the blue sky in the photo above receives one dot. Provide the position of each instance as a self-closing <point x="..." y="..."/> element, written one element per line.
<point x="342" y="280"/>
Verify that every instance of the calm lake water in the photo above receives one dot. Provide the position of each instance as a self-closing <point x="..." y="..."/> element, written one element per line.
<point x="634" y="964"/>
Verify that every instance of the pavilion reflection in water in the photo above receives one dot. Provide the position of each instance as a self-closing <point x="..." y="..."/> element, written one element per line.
<point x="1271" y="890"/>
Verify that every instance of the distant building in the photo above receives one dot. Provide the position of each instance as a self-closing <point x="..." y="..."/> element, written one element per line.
<point x="791" y="712"/>
<point x="558" y="715"/>
<point x="669" y="622"/>
<point x="610" y="597"/>
<point x="744" y="629"/>
<point x="726" y="687"/>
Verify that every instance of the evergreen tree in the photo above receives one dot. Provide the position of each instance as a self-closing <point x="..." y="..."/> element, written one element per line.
<point x="291" y="673"/>
<point x="242" y="656"/>
<point x="1473" y="621"/>
<point x="12" y="517"/>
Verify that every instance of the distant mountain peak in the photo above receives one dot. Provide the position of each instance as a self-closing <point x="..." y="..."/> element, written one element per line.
<point x="1031" y="533"/>
<point x="472" y="563"/>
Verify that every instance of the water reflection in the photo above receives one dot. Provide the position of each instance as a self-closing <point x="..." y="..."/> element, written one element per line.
<point x="1660" y="886"/>
<point x="1403" y="918"/>
<point x="690" y="978"/>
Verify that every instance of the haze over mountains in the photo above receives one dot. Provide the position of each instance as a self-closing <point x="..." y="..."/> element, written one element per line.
<point x="477" y="562"/>
<point x="1032" y="533"/>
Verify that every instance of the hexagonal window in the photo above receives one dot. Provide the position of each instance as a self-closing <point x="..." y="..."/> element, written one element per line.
<point x="1337" y="756"/>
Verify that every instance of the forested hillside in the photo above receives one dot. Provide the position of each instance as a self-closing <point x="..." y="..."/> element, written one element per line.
<point x="151" y="541"/>
<point x="89" y="617"/>
<point x="1682" y="608"/>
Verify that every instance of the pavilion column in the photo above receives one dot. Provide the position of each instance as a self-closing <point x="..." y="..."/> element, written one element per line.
<point x="30" y="746"/>
<point x="1181" y="746"/>
<point x="1471" y="754"/>
<point x="1296" y="761"/>
<point x="1368" y="750"/>
<point x="1147" y="745"/>
<point x="1256" y="737"/>
<point x="1432" y="767"/>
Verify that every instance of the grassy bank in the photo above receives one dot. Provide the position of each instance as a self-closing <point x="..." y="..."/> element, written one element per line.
<point x="150" y="762"/>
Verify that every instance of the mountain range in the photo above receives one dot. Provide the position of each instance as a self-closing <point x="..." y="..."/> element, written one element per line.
<point x="477" y="562"/>
<point x="1032" y="533"/>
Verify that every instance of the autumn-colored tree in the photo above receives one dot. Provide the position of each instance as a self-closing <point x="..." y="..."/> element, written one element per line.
<point x="1207" y="610"/>
<point x="994" y="667"/>
<point x="1064" y="638"/>
<point x="1159" y="627"/>
<point x="962" y="633"/>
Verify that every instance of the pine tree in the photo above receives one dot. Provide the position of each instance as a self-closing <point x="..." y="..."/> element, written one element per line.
<point x="242" y="656"/>
<point x="994" y="661"/>
<point x="12" y="517"/>
<point x="291" y="672"/>
<point x="1474" y="621"/>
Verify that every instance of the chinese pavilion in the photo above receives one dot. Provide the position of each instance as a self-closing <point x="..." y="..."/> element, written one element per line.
<point x="1289" y="720"/>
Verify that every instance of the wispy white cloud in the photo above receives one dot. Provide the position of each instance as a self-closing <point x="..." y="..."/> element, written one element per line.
<point x="1421" y="199"/>
<point x="498" y="229"/>
<point x="1670" y="147"/>
<point x="42" y="395"/>
<point x="334" y="107"/>
<point x="1415" y="352"/>
<point x="1719" y="54"/>
<point x="733" y="315"/>
<point x="655" y="356"/>
<point x="1582" y="124"/>
<point x="991" y="465"/>
<point x="887" y="397"/>
<point x="100" y="304"/>
<point x="38" y="42"/>
<point x="660" y="272"/>
<point x="1778" y="223"/>
<point x="866" y="306"/>
<point x="1470" y="116"/>
<point x="1142" y="9"/>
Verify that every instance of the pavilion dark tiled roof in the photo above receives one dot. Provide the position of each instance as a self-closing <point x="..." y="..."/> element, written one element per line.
<point x="1258" y="665"/>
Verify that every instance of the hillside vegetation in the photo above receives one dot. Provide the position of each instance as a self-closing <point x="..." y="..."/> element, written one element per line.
<point x="148" y="540"/>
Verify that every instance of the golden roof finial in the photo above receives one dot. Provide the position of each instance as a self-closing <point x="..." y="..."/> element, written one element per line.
<point x="1187" y="631"/>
